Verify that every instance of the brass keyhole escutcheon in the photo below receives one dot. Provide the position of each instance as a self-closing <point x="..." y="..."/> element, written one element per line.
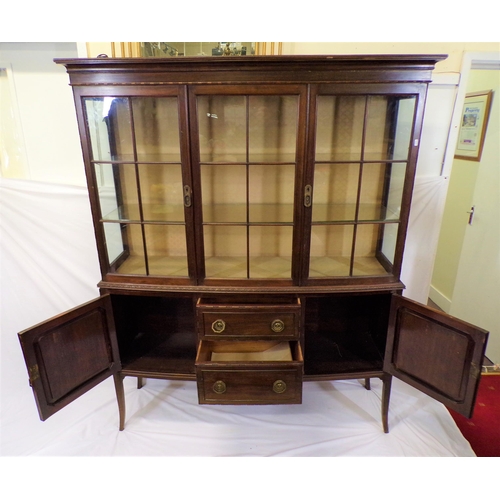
<point x="219" y="387"/>
<point x="218" y="326"/>
<point x="277" y="326"/>
<point x="279" y="387"/>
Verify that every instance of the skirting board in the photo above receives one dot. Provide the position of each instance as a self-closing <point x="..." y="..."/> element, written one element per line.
<point x="438" y="298"/>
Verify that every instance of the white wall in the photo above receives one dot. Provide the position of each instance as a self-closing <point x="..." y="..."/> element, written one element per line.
<point x="46" y="110"/>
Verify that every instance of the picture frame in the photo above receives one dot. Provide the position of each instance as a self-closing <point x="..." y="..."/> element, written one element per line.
<point x="475" y="114"/>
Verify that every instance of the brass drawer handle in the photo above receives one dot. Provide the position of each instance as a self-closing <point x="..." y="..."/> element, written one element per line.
<point x="219" y="387"/>
<point x="279" y="387"/>
<point x="277" y="326"/>
<point x="218" y="326"/>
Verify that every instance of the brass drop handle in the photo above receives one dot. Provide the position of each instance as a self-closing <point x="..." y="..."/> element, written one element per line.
<point x="219" y="387"/>
<point x="218" y="326"/>
<point x="279" y="387"/>
<point x="277" y="326"/>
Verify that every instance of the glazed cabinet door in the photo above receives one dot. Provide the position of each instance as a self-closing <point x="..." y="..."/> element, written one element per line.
<point x="363" y="143"/>
<point x="69" y="354"/>
<point x="248" y="155"/>
<point x="435" y="353"/>
<point x="140" y="180"/>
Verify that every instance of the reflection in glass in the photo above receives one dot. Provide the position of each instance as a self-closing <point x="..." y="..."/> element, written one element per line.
<point x="109" y="123"/>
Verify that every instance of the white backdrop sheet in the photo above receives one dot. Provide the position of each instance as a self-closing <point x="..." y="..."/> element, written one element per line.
<point x="49" y="264"/>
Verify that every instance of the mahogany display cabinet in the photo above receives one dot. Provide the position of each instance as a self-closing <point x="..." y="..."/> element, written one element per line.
<point x="250" y="217"/>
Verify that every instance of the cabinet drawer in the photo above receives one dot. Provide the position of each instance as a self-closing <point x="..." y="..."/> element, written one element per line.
<point x="249" y="373"/>
<point x="249" y="321"/>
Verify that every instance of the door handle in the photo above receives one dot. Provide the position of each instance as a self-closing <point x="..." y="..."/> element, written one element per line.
<point x="471" y="214"/>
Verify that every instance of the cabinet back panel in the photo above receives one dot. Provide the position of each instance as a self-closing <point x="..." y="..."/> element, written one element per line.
<point x="155" y="334"/>
<point x="345" y="334"/>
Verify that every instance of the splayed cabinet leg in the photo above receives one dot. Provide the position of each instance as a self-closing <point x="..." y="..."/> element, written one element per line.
<point x="386" y="394"/>
<point x="120" y="397"/>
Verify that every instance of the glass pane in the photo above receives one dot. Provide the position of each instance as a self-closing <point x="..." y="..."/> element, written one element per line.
<point x="222" y="128"/>
<point x="365" y="254"/>
<point x="381" y="191"/>
<point x="225" y="251"/>
<point x="335" y="192"/>
<point x="271" y="252"/>
<point x="389" y="237"/>
<point x="271" y="193"/>
<point x="114" y="242"/>
<point x="117" y="191"/>
<point x="331" y="247"/>
<point x="110" y="128"/>
<point x="125" y="248"/>
<point x="161" y="192"/>
<point x="396" y="178"/>
<point x="389" y="127"/>
<point x="272" y="128"/>
<point x="156" y="125"/>
<point x="339" y="129"/>
<point x="224" y="191"/>
<point x="404" y="127"/>
<point x="166" y="247"/>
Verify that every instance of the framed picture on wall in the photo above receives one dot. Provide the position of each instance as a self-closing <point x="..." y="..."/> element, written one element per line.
<point x="475" y="115"/>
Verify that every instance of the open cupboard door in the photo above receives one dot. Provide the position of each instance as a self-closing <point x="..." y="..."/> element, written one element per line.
<point x="70" y="354"/>
<point x="436" y="353"/>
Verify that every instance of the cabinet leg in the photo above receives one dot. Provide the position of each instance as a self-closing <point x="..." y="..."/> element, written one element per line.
<point x="367" y="384"/>
<point x="386" y="394"/>
<point x="120" y="397"/>
<point x="140" y="382"/>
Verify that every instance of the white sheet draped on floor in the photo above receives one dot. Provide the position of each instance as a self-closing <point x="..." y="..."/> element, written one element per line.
<point x="49" y="265"/>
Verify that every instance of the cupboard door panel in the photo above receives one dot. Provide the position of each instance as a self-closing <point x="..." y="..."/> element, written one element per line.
<point x="435" y="353"/>
<point x="69" y="354"/>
